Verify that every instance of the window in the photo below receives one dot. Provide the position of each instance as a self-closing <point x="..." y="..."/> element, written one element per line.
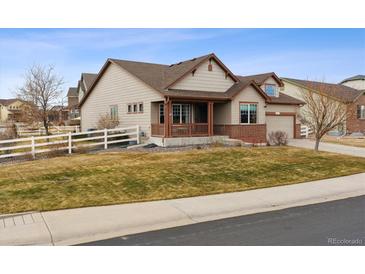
<point x="248" y="113"/>
<point x="140" y="107"/>
<point x="162" y="114"/>
<point x="134" y="108"/>
<point x="270" y="89"/>
<point x="180" y="113"/>
<point x="360" y="112"/>
<point x="129" y="108"/>
<point x="114" y="112"/>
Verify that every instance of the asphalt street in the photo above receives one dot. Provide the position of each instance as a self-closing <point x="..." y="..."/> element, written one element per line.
<point x="340" y="222"/>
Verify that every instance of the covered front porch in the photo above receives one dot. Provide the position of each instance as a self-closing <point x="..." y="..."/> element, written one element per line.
<point x="182" y="118"/>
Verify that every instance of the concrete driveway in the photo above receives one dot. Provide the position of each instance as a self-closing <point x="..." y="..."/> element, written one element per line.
<point x="348" y="150"/>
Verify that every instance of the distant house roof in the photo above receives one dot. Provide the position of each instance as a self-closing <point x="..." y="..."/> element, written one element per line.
<point x="353" y="78"/>
<point x="88" y="79"/>
<point x="6" y="102"/>
<point x="340" y="92"/>
<point x="72" y="92"/>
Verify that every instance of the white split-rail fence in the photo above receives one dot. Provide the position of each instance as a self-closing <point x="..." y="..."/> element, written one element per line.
<point x="305" y="131"/>
<point x="24" y="131"/>
<point x="68" y="141"/>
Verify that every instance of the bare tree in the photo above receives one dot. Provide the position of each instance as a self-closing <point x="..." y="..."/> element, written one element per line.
<point x="322" y="113"/>
<point x="42" y="88"/>
<point x="105" y="121"/>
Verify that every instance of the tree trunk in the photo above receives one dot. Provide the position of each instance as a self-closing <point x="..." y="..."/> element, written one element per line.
<point x="317" y="144"/>
<point x="45" y="124"/>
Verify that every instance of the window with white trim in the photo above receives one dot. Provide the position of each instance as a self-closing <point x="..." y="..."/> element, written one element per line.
<point x="180" y="113"/>
<point x="161" y="117"/>
<point x="114" y="112"/>
<point x="248" y="113"/>
<point x="360" y="112"/>
<point x="140" y="107"/>
<point x="271" y="90"/>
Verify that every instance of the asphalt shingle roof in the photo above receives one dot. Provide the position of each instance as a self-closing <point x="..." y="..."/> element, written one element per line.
<point x="356" y="77"/>
<point x="72" y="92"/>
<point x="339" y="92"/>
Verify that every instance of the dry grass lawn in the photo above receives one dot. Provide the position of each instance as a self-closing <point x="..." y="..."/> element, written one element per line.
<point x="355" y="142"/>
<point x="123" y="177"/>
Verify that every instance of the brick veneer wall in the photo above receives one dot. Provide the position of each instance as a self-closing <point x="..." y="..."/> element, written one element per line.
<point x="248" y="133"/>
<point x="353" y="124"/>
<point x="297" y="131"/>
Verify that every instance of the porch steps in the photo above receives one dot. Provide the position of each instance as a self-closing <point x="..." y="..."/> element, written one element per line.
<point x="233" y="142"/>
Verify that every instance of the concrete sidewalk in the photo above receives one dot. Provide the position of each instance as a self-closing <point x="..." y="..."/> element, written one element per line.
<point x="73" y="226"/>
<point x="329" y="147"/>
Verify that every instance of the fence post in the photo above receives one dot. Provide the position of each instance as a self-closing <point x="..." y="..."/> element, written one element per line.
<point x="69" y="143"/>
<point x="138" y="140"/>
<point x="105" y="138"/>
<point x="33" y="147"/>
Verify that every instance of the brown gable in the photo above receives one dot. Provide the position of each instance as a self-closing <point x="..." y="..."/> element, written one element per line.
<point x="342" y="93"/>
<point x="72" y="92"/>
<point x="176" y="72"/>
<point x="261" y="78"/>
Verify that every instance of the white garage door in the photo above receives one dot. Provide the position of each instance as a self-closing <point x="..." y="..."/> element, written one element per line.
<point x="282" y="123"/>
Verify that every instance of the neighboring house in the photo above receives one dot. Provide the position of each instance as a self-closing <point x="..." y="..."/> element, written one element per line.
<point x="58" y="115"/>
<point x="10" y="110"/>
<point x="75" y="95"/>
<point x="197" y="98"/>
<point x="352" y="99"/>
<point x="356" y="82"/>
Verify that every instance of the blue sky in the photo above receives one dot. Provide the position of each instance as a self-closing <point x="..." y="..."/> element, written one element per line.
<point x="316" y="54"/>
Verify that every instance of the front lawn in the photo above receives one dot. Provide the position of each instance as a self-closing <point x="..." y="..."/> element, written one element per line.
<point x="123" y="177"/>
<point x="347" y="141"/>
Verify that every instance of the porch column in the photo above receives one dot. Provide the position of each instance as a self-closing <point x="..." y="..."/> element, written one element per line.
<point x="168" y="118"/>
<point x="210" y="118"/>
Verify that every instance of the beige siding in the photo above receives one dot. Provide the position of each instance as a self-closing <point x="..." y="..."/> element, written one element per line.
<point x="249" y="94"/>
<point x="296" y="92"/>
<point x="282" y="123"/>
<point x="292" y="90"/>
<point x="282" y="108"/>
<point x="356" y="84"/>
<point x="118" y="87"/>
<point x="222" y="113"/>
<point x="80" y="94"/>
<point x="205" y="80"/>
<point x="4" y="110"/>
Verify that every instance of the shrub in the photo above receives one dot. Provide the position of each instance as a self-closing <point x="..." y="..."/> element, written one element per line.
<point x="105" y="121"/>
<point x="9" y="133"/>
<point x="278" y="138"/>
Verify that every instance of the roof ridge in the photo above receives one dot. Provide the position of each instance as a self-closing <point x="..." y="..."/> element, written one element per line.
<point x="140" y="62"/>
<point x="326" y="83"/>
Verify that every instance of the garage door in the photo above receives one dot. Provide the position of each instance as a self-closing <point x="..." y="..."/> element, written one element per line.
<point x="282" y="123"/>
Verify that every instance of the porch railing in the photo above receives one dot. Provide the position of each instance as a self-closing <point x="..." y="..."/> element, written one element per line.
<point x="181" y="130"/>
<point x="196" y="129"/>
<point x="157" y="130"/>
